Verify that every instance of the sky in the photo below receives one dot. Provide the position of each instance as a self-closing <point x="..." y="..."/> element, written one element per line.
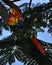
<point x="42" y="36"/>
<point x="33" y="1"/>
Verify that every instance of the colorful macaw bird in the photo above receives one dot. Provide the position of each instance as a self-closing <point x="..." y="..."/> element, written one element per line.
<point x="14" y="17"/>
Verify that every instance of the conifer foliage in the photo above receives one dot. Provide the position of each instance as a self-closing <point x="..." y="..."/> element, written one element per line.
<point x="24" y="22"/>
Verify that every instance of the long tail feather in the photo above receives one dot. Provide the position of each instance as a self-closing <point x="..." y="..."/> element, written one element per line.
<point x="38" y="46"/>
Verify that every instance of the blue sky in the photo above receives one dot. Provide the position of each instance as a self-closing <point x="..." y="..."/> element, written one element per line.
<point x="33" y="1"/>
<point x="45" y="36"/>
<point x="42" y="36"/>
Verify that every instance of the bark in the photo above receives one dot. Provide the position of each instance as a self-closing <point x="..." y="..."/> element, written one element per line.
<point x="3" y="12"/>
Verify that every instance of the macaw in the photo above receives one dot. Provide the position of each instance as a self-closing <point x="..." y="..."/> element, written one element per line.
<point x="14" y="17"/>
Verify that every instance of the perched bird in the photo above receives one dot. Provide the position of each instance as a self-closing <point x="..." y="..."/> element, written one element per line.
<point x="14" y="17"/>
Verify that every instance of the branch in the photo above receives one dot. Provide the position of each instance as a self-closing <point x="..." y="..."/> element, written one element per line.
<point x="30" y="4"/>
<point x="3" y="12"/>
<point x="11" y="4"/>
<point x="14" y="0"/>
<point x="9" y="41"/>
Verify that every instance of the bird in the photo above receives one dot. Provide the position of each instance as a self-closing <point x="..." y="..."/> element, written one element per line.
<point x="14" y="16"/>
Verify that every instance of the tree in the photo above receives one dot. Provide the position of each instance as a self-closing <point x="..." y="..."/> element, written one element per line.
<point x="23" y="43"/>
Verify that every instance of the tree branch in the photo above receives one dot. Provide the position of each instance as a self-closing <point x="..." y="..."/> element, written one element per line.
<point x="11" y="4"/>
<point x="30" y="4"/>
<point x="3" y="12"/>
<point x="15" y="0"/>
<point x="9" y="41"/>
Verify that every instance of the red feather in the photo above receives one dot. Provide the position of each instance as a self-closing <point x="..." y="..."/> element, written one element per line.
<point x="16" y="13"/>
<point x="38" y="46"/>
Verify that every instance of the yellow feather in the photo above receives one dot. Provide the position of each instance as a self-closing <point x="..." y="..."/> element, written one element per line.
<point x="14" y="21"/>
